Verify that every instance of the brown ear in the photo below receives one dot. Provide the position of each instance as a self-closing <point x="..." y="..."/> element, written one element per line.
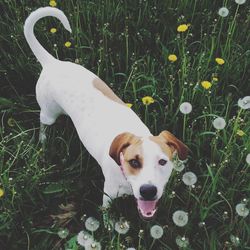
<point x="175" y="144"/>
<point x="119" y="144"/>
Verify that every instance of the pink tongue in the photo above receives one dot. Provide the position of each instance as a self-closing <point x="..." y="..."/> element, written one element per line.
<point x="146" y="206"/>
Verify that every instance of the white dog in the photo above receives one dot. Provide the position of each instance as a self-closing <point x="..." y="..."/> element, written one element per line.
<point x="133" y="161"/>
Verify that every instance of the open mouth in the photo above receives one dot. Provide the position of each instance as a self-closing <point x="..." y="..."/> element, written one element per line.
<point x="147" y="209"/>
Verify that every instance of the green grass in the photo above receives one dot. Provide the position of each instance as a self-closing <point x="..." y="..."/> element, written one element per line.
<point x="127" y="44"/>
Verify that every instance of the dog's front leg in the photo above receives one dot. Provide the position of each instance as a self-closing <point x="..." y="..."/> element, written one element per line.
<point x="106" y="201"/>
<point x="113" y="190"/>
<point x="42" y="133"/>
<point x="108" y="196"/>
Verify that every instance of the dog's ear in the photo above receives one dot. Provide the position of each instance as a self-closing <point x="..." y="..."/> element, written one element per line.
<point x="119" y="144"/>
<point x="175" y="144"/>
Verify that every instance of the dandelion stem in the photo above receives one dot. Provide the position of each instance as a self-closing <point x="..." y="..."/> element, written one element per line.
<point x="153" y="242"/>
<point x="184" y="126"/>
<point x="139" y="243"/>
<point x="189" y="195"/>
<point x="235" y="127"/>
<point x="129" y="77"/>
<point x="208" y="240"/>
<point x="146" y="115"/>
<point x="134" y="90"/>
<point x="118" y="242"/>
<point x="193" y="13"/>
<point x="127" y="52"/>
<point x="231" y="31"/>
<point x="230" y="207"/>
<point x="28" y="239"/>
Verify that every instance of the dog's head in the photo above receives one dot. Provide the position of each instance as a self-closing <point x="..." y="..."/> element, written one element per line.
<point x="147" y="164"/>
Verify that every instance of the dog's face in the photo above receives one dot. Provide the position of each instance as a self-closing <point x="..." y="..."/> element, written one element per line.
<point x="147" y="164"/>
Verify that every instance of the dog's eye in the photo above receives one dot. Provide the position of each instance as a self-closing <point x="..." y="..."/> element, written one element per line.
<point x="162" y="162"/>
<point x="134" y="163"/>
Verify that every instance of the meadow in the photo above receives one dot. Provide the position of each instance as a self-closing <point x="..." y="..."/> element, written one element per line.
<point x="182" y="66"/>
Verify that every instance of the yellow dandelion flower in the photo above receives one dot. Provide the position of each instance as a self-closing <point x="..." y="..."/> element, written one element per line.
<point x="172" y="58"/>
<point x="67" y="44"/>
<point x="52" y="3"/>
<point x="147" y="100"/>
<point x="129" y="105"/>
<point x="53" y="30"/>
<point x="240" y="132"/>
<point x="215" y="79"/>
<point x="206" y="84"/>
<point x="182" y="27"/>
<point x="220" y="61"/>
<point x="1" y="192"/>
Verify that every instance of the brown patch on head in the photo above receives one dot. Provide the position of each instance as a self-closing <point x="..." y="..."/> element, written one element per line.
<point x="162" y="143"/>
<point x="169" y="144"/>
<point x="133" y="152"/>
<point x="131" y="147"/>
<point x="106" y="90"/>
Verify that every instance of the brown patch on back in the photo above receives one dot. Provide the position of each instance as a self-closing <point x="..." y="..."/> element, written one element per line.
<point x="106" y="90"/>
<point x="131" y="147"/>
<point x="169" y="144"/>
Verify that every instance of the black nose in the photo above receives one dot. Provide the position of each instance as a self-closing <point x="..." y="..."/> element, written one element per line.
<point x="148" y="191"/>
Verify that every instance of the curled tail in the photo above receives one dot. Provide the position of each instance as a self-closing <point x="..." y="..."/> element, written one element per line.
<point x="42" y="54"/>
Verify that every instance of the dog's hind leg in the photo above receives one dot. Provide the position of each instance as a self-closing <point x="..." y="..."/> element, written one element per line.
<point x="45" y="120"/>
<point x="42" y="133"/>
<point x="50" y="110"/>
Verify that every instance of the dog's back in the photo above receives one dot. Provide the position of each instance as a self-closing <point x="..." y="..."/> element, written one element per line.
<point x="68" y="88"/>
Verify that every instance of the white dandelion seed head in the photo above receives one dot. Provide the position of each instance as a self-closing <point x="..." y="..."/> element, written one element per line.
<point x="201" y="224"/>
<point x="186" y="108"/>
<point x="156" y="232"/>
<point x="189" y="178"/>
<point x="242" y="210"/>
<point x="177" y="163"/>
<point x="172" y="195"/>
<point x="131" y="248"/>
<point x="94" y="245"/>
<point x="248" y="159"/>
<point x="223" y="12"/>
<point x="219" y="123"/>
<point x="83" y="238"/>
<point x="179" y="166"/>
<point x="141" y="233"/>
<point x="92" y="224"/>
<point x="240" y="1"/>
<point x="63" y="233"/>
<point x="121" y="227"/>
<point x="180" y="218"/>
<point x="182" y="242"/>
<point x="244" y="102"/>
